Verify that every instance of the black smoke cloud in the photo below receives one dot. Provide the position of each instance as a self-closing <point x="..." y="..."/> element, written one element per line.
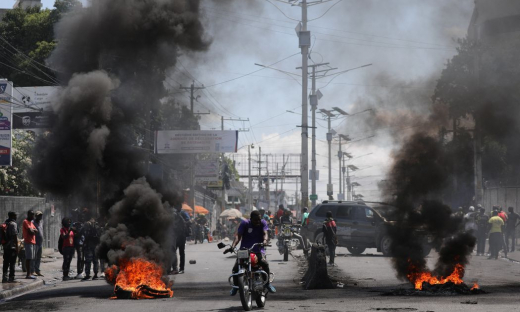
<point x="113" y="56"/>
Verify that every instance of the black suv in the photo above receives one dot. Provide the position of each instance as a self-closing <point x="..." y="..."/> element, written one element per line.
<point x="358" y="226"/>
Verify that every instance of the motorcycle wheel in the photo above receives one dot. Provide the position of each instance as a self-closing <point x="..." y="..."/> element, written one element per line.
<point x="260" y="299"/>
<point x="285" y="253"/>
<point x="245" y="293"/>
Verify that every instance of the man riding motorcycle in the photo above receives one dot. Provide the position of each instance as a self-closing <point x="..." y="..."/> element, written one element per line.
<point x="251" y="232"/>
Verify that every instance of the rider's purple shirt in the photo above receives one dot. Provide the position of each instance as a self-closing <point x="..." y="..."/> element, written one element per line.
<point x="252" y="234"/>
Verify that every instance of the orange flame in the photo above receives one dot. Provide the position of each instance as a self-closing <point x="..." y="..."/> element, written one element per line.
<point x="475" y="286"/>
<point x="418" y="278"/>
<point x="136" y="272"/>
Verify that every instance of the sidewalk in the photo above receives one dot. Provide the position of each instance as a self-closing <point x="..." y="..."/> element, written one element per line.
<point x="50" y="268"/>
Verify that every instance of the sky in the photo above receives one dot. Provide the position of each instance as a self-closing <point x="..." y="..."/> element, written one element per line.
<point x="408" y="43"/>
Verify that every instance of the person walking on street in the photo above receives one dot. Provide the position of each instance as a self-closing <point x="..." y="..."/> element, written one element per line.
<point x="67" y="247"/>
<point x="495" y="235"/>
<point x="331" y="239"/>
<point x="38" y="223"/>
<point x="182" y="219"/>
<point x="481" y="219"/>
<point x="512" y="222"/>
<point x="90" y="234"/>
<point x="9" y="239"/>
<point x="29" y="242"/>
<point x="305" y="216"/>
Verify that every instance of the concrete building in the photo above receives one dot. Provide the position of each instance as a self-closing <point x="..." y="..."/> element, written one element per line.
<point x="24" y="4"/>
<point x="495" y="21"/>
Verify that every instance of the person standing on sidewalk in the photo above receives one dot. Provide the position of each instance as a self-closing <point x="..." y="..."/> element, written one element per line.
<point x="10" y="244"/>
<point x="90" y="234"/>
<point x="495" y="235"/>
<point x="67" y="241"/>
<point x="512" y="222"/>
<point x="182" y="222"/>
<point x="481" y="220"/>
<point x="29" y="242"/>
<point x="38" y="223"/>
<point x="331" y="239"/>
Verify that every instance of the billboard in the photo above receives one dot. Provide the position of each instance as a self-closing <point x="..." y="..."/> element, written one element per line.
<point x="195" y="141"/>
<point x="206" y="171"/>
<point x="32" y="120"/>
<point x="6" y="118"/>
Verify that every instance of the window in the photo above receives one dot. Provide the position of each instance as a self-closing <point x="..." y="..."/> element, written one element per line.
<point x="369" y="213"/>
<point x="322" y="211"/>
<point x="343" y="212"/>
<point x="358" y="213"/>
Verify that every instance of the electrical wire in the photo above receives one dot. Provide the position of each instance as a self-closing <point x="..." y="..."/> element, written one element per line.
<point x="297" y="20"/>
<point x="325" y="12"/>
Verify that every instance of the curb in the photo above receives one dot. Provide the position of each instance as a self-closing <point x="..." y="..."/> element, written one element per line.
<point x="6" y="294"/>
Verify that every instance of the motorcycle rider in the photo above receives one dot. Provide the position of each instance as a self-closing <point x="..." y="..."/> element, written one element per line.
<point x="201" y="222"/>
<point x="250" y="232"/>
<point x="287" y="217"/>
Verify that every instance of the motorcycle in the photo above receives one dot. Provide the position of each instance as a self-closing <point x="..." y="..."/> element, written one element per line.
<point x="251" y="278"/>
<point x="289" y="239"/>
<point x="200" y="233"/>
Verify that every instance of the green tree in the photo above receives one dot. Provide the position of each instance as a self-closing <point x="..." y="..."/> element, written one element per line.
<point x="482" y="83"/>
<point x="27" y="39"/>
<point x="14" y="180"/>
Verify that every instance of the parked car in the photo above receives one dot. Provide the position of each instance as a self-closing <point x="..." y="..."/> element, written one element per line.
<point x="358" y="226"/>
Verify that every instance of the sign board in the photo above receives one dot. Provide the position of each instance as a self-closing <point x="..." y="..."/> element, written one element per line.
<point x="206" y="171"/>
<point x="195" y="141"/>
<point x="34" y="98"/>
<point x="313" y="197"/>
<point x="32" y="120"/>
<point x="6" y="118"/>
<point x="215" y="184"/>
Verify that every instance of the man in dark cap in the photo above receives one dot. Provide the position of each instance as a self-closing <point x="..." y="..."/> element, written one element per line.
<point x="9" y="240"/>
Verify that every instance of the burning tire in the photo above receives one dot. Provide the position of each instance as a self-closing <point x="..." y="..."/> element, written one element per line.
<point x="320" y="240"/>
<point x="356" y="250"/>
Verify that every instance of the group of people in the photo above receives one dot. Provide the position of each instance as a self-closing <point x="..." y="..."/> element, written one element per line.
<point x="500" y="228"/>
<point x="32" y="233"/>
<point x="81" y="238"/>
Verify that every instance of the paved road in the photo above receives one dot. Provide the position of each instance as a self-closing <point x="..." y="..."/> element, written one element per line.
<point x="204" y="288"/>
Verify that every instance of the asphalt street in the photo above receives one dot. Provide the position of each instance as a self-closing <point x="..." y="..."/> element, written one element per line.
<point x="366" y="278"/>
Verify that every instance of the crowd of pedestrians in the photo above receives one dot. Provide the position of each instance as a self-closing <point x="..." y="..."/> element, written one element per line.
<point x="499" y="229"/>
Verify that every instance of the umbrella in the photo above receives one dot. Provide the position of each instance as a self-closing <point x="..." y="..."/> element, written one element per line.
<point x="201" y="210"/>
<point x="187" y="209"/>
<point x="231" y="213"/>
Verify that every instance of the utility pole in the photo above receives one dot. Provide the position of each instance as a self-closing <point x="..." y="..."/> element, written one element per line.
<point x="339" y="162"/>
<point x="192" y="89"/>
<point x="259" y="173"/>
<point x="268" y="196"/>
<point x="315" y="96"/>
<point x="250" y="182"/>
<point x="344" y="179"/>
<point x="304" y="171"/>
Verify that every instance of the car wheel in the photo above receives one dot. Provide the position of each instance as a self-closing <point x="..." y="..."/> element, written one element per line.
<point x="386" y="243"/>
<point x="356" y="250"/>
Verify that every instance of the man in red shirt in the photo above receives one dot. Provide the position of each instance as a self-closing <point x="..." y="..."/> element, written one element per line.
<point x="29" y="242"/>
<point x="67" y="239"/>
<point x="329" y="230"/>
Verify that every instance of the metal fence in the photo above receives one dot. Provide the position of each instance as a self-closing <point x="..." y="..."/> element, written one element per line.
<point x="505" y="196"/>
<point x="52" y="215"/>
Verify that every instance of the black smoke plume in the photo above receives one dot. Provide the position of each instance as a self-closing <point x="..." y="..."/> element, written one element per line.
<point x="114" y="55"/>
